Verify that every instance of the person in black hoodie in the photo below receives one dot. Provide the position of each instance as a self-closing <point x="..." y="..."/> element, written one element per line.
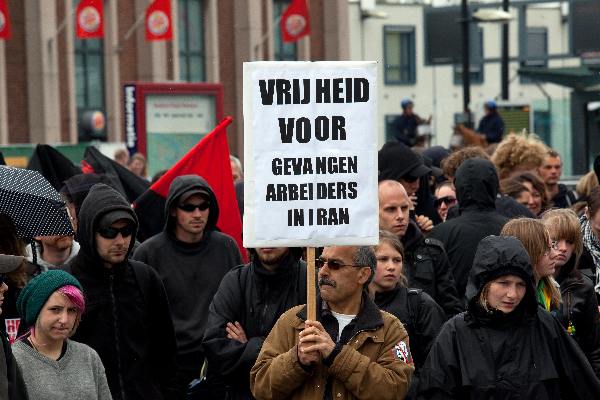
<point x="191" y="256"/>
<point x="249" y="301"/>
<point x="127" y="319"/>
<point x="505" y="346"/>
<point x="578" y="311"/>
<point x="476" y="183"/>
<point x="427" y="266"/>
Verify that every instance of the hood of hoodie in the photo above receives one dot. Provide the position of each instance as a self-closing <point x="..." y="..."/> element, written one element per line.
<point x="497" y="256"/>
<point x="101" y="200"/>
<point x="476" y="182"/>
<point x="182" y="184"/>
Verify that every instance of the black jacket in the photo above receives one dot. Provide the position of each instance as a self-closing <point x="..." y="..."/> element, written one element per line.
<point x="200" y="267"/>
<point x="492" y="126"/>
<point x="565" y="198"/>
<point x="421" y="316"/>
<point x="256" y="298"/>
<point x="579" y="308"/>
<point x="427" y="267"/>
<point x="11" y="380"/>
<point x="476" y="189"/>
<point x="127" y="319"/>
<point x="524" y="354"/>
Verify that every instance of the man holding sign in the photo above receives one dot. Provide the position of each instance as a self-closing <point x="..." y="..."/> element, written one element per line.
<point x="352" y="350"/>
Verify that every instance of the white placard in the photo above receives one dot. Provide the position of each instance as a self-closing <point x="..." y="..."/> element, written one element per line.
<point x="310" y="154"/>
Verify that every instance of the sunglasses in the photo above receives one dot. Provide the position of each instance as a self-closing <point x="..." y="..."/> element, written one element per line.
<point x="447" y="200"/>
<point x="191" y="207"/>
<point x="332" y="264"/>
<point x="111" y="233"/>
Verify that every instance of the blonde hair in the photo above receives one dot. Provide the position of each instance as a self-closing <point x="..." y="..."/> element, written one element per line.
<point x="586" y="184"/>
<point x="534" y="236"/>
<point x="386" y="237"/>
<point x="516" y="151"/>
<point x="562" y="223"/>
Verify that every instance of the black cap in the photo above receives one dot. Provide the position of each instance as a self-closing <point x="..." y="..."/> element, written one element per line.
<point x="191" y="192"/>
<point x="397" y="161"/>
<point x="113" y="216"/>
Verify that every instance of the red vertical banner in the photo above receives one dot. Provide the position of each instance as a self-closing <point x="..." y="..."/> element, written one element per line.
<point x="295" y="21"/>
<point x="89" y="19"/>
<point x="4" y="20"/>
<point x="159" y="24"/>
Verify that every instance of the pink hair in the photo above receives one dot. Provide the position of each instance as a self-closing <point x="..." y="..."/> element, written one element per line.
<point x="74" y="295"/>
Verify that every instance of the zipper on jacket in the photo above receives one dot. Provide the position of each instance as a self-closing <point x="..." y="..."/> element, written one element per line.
<point x="116" y="335"/>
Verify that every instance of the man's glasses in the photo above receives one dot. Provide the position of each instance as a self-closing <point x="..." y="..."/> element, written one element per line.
<point x="111" y="233"/>
<point x="447" y="200"/>
<point x="192" y="207"/>
<point x="332" y="264"/>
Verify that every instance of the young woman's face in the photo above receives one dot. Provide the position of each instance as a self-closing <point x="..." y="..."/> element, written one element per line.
<point x="389" y="268"/>
<point x="564" y="251"/>
<point x="547" y="264"/>
<point x="57" y="318"/>
<point x="535" y="205"/>
<point x="506" y="292"/>
<point x="446" y="198"/>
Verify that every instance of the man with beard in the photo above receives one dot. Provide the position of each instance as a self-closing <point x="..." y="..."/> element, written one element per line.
<point x="352" y="350"/>
<point x="247" y="304"/>
<point x="52" y="251"/>
<point x="126" y="319"/>
<point x="191" y="256"/>
<point x="427" y="266"/>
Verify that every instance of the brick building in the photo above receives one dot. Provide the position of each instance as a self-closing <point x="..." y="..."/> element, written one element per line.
<point x="48" y="77"/>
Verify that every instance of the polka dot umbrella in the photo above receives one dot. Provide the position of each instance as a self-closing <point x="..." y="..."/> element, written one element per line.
<point x="32" y="203"/>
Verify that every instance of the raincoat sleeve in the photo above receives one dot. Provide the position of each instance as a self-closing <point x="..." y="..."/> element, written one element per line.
<point x="576" y="374"/>
<point x="388" y="377"/>
<point x="440" y="376"/>
<point x="227" y="356"/>
<point x="277" y="372"/>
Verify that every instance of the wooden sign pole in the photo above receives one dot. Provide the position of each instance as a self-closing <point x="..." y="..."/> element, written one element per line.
<point x="311" y="295"/>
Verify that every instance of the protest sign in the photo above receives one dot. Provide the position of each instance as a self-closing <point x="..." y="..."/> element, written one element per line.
<point x="310" y="153"/>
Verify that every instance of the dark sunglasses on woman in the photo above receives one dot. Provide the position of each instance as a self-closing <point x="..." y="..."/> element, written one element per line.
<point x="448" y="200"/>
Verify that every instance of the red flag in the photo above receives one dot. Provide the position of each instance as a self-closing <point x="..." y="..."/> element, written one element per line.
<point x="158" y="21"/>
<point x="89" y="19"/>
<point x="209" y="159"/>
<point x="295" y="21"/>
<point x="4" y="20"/>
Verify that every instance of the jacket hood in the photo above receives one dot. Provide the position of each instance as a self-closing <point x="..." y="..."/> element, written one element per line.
<point x="182" y="184"/>
<point x="101" y="199"/>
<point x="497" y="256"/>
<point x="477" y="184"/>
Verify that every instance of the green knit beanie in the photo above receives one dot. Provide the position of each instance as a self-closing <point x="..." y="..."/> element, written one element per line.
<point x="33" y="296"/>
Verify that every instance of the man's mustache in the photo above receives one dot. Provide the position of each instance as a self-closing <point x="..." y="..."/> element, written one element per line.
<point x="325" y="281"/>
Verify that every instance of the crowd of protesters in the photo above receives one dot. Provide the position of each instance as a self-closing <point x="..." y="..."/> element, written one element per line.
<point x="484" y="284"/>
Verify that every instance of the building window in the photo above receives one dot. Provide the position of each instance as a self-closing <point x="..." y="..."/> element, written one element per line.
<point x="191" y="41"/>
<point x="89" y="79"/>
<point x="399" y="55"/>
<point x="537" y="46"/>
<point x="476" y="55"/>
<point x="282" y="51"/>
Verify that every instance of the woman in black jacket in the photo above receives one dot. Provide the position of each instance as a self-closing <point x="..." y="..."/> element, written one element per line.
<point x="504" y="346"/>
<point x="419" y="313"/>
<point x="578" y="312"/>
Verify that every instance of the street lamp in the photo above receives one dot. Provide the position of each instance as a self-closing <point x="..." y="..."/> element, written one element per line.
<point x="483" y="15"/>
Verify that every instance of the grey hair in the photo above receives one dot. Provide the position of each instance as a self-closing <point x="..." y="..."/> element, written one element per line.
<point x="365" y="256"/>
<point x="236" y="161"/>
